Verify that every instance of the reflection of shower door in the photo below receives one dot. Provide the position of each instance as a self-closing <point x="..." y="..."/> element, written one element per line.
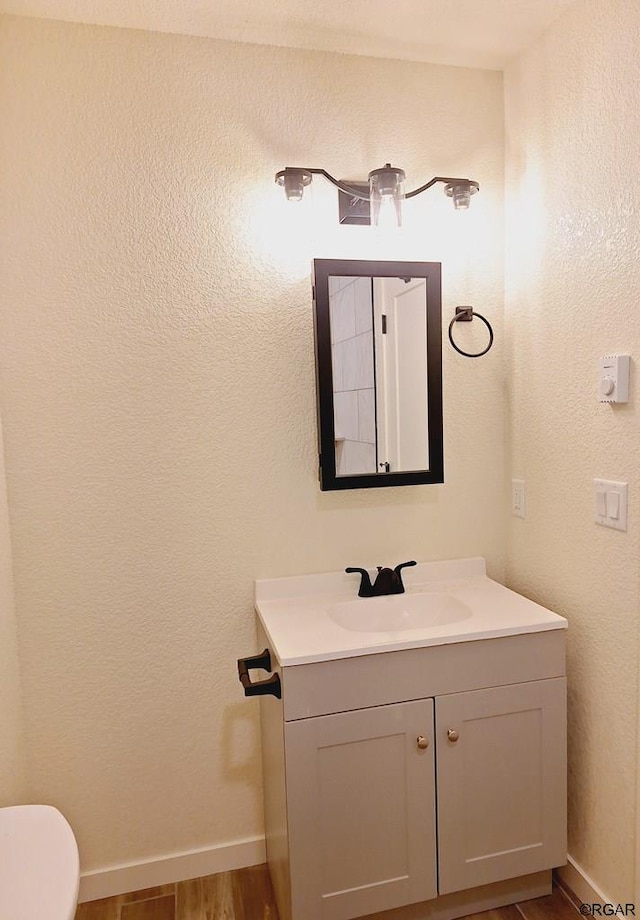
<point x="400" y="308"/>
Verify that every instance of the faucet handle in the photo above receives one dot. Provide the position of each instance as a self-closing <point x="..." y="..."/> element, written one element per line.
<point x="365" y="581"/>
<point x="403" y="565"/>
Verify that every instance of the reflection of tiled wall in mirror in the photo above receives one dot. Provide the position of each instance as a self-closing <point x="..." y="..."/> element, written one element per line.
<point x="351" y="308"/>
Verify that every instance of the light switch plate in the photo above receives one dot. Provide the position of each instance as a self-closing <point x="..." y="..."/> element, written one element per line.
<point x="610" y="501"/>
<point x="518" y="498"/>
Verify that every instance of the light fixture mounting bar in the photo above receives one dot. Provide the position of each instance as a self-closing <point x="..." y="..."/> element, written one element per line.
<point x="347" y="189"/>
<point x="473" y="186"/>
<point x="385" y="185"/>
<point x="358" y="193"/>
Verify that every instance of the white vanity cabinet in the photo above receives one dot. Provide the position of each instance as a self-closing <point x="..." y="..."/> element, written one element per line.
<point x="432" y="777"/>
<point x="501" y="783"/>
<point x="361" y="807"/>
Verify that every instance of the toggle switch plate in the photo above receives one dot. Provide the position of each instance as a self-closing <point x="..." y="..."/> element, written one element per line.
<point x="518" y="498"/>
<point x="610" y="503"/>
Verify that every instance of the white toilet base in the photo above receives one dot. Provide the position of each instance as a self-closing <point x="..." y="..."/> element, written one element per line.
<point x="39" y="866"/>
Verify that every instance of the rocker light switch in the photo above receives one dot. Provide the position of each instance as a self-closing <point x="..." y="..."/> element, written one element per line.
<point x="610" y="503"/>
<point x="613" y="505"/>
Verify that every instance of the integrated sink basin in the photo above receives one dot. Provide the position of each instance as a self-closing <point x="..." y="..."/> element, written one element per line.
<point x="399" y="612"/>
<point x="313" y="618"/>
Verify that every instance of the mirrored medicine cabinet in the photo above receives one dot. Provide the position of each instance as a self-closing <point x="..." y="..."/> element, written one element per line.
<point x="378" y="341"/>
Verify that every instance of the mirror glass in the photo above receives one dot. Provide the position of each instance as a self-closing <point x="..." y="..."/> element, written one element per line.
<point x="378" y="363"/>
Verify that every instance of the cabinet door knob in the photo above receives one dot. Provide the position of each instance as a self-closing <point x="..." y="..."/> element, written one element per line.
<point x="423" y="743"/>
<point x="452" y="734"/>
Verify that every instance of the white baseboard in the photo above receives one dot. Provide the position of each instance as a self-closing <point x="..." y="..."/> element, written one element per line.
<point x="162" y="870"/>
<point x="104" y="883"/>
<point x="584" y="888"/>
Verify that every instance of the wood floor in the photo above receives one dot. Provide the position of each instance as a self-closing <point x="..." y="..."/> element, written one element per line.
<point x="246" y="895"/>
<point x="241" y="895"/>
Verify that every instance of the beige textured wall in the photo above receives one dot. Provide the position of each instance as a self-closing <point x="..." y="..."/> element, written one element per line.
<point x="573" y="290"/>
<point x="11" y="728"/>
<point x="156" y="362"/>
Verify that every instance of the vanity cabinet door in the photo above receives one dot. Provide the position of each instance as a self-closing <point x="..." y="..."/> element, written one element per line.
<point x="361" y="810"/>
<point x="501" y="766"/>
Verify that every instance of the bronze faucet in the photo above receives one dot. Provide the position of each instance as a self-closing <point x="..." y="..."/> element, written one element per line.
<point x="388" y="581"/>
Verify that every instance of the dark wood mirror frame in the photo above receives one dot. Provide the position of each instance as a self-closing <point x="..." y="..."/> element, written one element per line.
<point x="431" y="271"/>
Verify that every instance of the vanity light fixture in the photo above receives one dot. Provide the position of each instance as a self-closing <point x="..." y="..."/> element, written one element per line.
<point x="385" y="189"/>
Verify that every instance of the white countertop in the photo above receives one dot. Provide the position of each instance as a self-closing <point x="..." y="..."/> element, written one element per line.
<point x="297" y="613"/>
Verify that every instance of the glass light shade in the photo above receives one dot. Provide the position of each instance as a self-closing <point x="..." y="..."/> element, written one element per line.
<point x="293" y="181"/>
<point x="461" y="193"/>
<point x="386" y="190"/>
